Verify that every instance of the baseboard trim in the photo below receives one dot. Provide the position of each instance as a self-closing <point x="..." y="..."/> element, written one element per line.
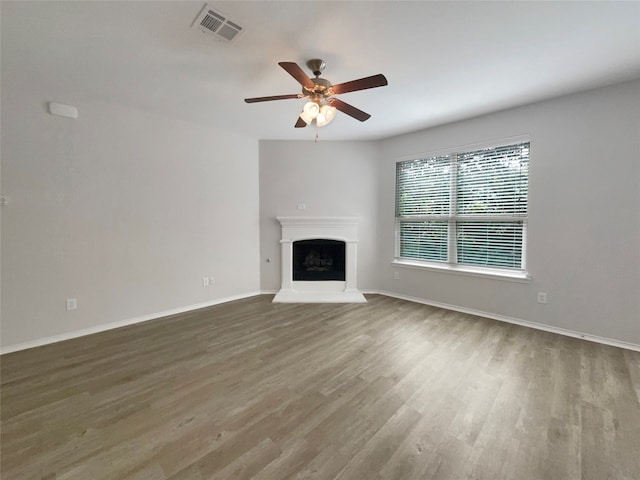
<point x="153" y="316"/>
<point x="121" y="323"/>
<point x="503" y="318"/>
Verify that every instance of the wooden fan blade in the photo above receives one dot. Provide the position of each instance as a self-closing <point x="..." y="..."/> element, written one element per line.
<point x="360" y="84"/>
<point x="349" y="109"/>
<point x="296" y="72"/>
<point x="300" y="123"/>
<point x="275" y="97"/>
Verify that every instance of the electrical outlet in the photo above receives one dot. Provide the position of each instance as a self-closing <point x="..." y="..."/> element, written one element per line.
<point x="396" y="275"/>
<point x="72" y="304"/>
<point x="301" y="206"/>
<point x="205" y="281"/>
<point x="542" y="297"/>
<point x="212" y="280"/>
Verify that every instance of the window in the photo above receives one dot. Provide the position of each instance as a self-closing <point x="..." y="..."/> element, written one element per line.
<point x="464" y="210"/>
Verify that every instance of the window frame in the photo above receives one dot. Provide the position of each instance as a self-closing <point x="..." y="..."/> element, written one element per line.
<point x="453" y="219"/>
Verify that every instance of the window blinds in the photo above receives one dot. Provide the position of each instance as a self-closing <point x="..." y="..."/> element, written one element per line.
<point x="467" y="208"/>
<point x="424" y="240"/>
<point x="423" y="187"/>
<point x="493" y="181"/>
<point x="495" y="244"/>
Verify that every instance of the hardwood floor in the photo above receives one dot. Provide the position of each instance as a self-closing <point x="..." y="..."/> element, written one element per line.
<point x="384" y="390"/>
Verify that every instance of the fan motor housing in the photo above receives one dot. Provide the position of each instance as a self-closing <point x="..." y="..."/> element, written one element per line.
<point x="321" y="86"/>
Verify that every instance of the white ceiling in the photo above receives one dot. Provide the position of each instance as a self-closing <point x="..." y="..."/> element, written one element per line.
<point x="444" y="61"/>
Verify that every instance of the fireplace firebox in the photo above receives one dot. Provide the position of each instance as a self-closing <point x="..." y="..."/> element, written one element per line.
<point x="319" y="260"/>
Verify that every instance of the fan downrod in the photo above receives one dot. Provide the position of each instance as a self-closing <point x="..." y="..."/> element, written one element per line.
<point x="316" y="65"/>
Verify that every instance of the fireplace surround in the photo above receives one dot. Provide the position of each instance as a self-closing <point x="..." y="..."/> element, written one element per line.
<point x="326" y="286"/>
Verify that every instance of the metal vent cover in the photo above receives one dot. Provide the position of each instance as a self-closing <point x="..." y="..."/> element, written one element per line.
<point x="217" y="24"/>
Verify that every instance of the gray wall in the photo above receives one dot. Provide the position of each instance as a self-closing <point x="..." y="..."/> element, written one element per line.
<point x="332" y="179"/>
<point x="126" y="211"/>
<point x="122" y="209"/>
<point x="584" y="222"/>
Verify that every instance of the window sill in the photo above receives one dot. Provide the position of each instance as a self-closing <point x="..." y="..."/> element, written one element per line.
<point x="521" y="277"/>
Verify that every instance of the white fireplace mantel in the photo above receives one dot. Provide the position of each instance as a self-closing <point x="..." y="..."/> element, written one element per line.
<point x="331" y="228"/>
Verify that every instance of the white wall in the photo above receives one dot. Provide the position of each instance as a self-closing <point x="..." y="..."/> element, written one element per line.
<point x="331" y="179"/>
<point x="124" y="210"/>
<point x="584" y="221"/>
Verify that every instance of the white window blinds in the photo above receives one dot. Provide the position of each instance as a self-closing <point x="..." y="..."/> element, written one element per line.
<point x="493" y="181"/>
<point x="424" y="240"/>
<point x="467" y="208"/>
<point x="423" y="186"/>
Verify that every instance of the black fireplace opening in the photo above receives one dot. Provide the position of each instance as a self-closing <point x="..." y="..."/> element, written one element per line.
<point x="319" y="260"/>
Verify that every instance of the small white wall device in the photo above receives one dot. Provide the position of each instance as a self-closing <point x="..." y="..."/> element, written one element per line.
<point x="62" y="110"/>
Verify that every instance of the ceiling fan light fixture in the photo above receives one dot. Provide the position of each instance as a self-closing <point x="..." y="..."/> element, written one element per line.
<point x="309" y="112"/>
<point x="326" y="114"/>
<point x="307" y="119"/>
<point x="311" y="109"/>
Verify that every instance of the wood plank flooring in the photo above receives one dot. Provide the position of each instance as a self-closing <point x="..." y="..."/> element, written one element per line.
<point x="385" y="390"/>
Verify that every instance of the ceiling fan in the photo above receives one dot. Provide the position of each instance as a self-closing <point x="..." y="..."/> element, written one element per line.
<point x="322" y="104"/>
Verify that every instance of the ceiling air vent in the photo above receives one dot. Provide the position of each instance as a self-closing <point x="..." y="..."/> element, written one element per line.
<point x="217" y="24"/>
